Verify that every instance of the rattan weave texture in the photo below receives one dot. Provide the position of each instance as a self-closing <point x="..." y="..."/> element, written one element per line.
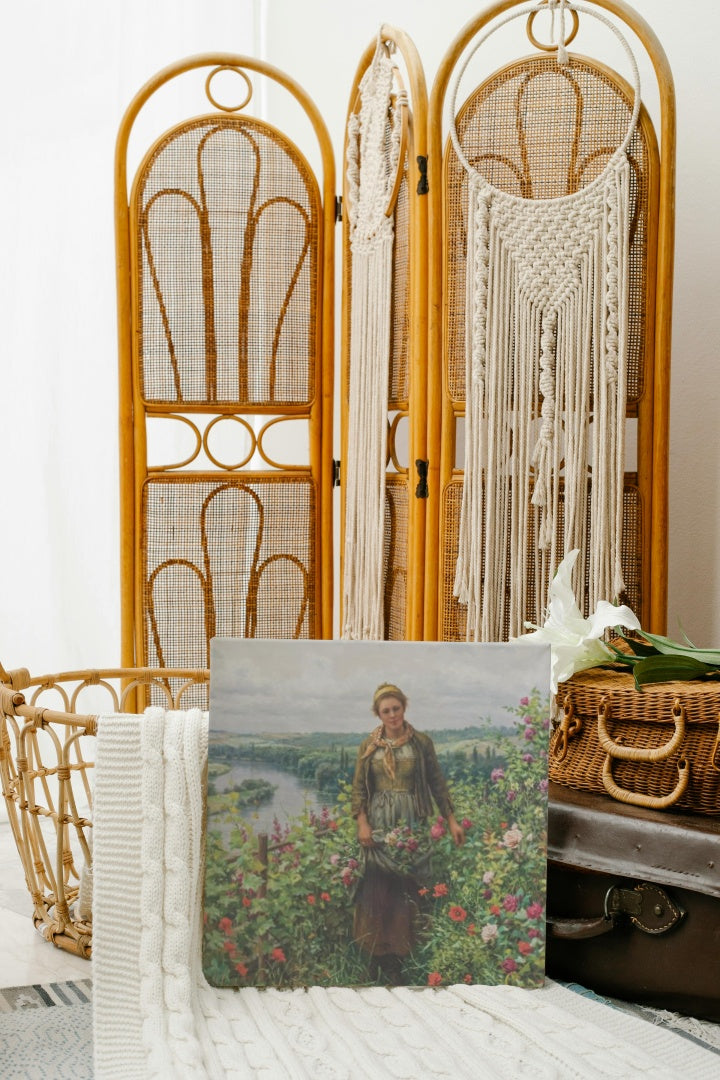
<point x="233" y="557"/>
<point x="609" y="732"/>
<point x="47" y="753"/>
<point x="227" y="217"/>
<point x="396" y="556"/>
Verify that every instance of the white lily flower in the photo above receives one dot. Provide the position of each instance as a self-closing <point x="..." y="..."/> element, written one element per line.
<point x="575" y="641"/>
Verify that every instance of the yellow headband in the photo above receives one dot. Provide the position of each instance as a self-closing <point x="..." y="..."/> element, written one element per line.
<point x="387" y="690"/>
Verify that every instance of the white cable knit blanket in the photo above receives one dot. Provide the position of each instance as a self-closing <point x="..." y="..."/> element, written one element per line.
<point x="156" y="1016"/>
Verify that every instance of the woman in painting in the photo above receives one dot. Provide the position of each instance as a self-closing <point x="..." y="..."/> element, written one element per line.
<point x="397" y="778"/>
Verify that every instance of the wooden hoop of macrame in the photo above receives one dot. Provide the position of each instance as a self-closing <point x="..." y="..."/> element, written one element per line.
<point x="374" y="161"/>
<point x="546" y="321"/>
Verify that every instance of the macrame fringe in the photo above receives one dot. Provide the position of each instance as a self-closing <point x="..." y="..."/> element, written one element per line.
<point x="546" y="332"/>
<point x="547" y="304"/>
<point x="372" y="162"/>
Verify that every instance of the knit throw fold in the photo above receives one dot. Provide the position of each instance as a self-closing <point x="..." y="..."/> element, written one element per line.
<point x="155" y="1015"/>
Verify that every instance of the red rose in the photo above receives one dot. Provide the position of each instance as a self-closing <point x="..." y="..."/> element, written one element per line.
<point x="434" y="978"/>
<point x="225" y="925"/>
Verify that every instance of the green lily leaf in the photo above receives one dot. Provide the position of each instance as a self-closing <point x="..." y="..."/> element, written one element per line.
<point x="666" y="668"/>
<point x="671" y="648"/>
<point x="620" y="657"/>
<point x="640" y="648"/>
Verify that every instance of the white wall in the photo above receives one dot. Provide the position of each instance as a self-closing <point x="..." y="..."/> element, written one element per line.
<point x="68" y="70"/>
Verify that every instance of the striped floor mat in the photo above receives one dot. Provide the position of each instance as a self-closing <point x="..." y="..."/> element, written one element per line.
<point x="42" y="995"/>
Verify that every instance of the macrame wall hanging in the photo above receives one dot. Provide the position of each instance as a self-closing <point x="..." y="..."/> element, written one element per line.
<point x="375" y="157"/>
<point x="546" y="339"/>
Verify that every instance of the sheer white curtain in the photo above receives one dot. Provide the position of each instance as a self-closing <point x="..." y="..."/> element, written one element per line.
<point x="68" y="71"/>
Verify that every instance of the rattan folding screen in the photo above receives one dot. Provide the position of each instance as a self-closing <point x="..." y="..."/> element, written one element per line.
<point x="225" y="255"/>
<point x="225" y="285"/>
<point x="540" y="131"/>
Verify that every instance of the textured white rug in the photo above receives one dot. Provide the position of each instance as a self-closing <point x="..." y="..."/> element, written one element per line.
<point x="156" y="1016"/>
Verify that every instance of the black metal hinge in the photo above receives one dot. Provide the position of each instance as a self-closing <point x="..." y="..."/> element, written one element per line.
<point x="422" y="187"/>
<point x="421" y="491"/>
<point x="336" y="473"/>
<point x="338" y="208"/>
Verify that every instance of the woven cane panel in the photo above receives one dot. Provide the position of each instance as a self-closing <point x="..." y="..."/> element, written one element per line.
<point x="453" y="621"/>
<point x="226" y="230"/>
<point x="540" y="131"/>
<point x="231" y="558"/>
<point x="396" y="556"/>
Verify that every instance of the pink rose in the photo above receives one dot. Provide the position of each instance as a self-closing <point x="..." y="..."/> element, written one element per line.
<point x="509" y="965"/>
<point x="512" y="838"/>
<point x="436" y="831"/>
<point x="534" y="910"/>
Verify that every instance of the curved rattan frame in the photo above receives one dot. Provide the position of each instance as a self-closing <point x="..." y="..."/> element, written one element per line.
<point x="653" y="470"/>
<point x="414" y="407"/>
<point x="132" y="410"/>
<point x="31" y="764"/>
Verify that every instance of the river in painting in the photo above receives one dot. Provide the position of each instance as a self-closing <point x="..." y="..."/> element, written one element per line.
<point x="291" y="798"/>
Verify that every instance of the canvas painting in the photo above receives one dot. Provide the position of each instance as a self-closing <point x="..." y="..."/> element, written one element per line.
<point x="376" y="814"/>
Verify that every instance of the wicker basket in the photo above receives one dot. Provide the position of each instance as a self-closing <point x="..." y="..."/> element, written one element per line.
<point x="659" y="747"/>
<point x="46" y="754"/>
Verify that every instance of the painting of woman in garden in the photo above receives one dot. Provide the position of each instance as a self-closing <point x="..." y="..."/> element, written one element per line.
<point x="397" y="780"/>
<point x="358" y="838"/>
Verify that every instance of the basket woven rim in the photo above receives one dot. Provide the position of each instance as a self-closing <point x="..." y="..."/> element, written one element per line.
<point x="602" y="680"/>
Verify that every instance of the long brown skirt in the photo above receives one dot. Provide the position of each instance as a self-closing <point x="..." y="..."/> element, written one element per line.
<point x="386" y="913"/>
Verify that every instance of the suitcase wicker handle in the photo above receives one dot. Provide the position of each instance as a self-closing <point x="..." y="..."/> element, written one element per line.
<point x="635" y="753"/>
<point x="653" y="802"/>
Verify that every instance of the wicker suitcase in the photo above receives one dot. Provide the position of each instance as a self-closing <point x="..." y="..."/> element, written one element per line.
<point x="655" y="748"/>
<point x="634" y="902"/>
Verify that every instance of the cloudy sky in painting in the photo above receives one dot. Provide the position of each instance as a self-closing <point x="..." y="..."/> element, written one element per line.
<point x="316" y="686"/>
